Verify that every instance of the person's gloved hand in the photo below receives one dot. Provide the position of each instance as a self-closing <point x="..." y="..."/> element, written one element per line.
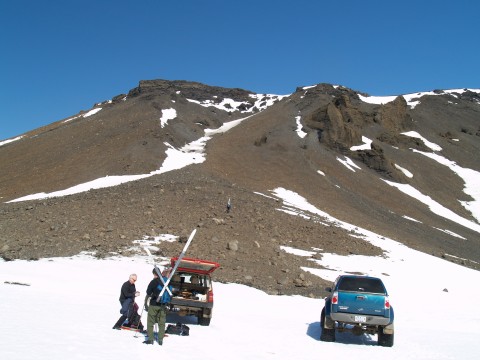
<point x="137" y="293"/>
<point x="145" y="302"/>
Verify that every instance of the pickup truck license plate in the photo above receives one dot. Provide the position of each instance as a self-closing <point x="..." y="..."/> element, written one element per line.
<point x="360" y="319"/>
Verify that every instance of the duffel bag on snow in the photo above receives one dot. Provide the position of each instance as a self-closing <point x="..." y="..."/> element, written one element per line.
<point x="178" y="329"/>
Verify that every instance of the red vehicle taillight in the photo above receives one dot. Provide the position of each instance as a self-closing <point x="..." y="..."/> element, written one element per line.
<point x="387" y="303"/>
<point x="335" y="298"/>
<point x="210" y="296"/>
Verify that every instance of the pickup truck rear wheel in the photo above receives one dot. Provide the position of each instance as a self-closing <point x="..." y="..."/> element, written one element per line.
<point x="327" y="334"/>
<point x="203" y="321"/>
<point x="384" y="339"/>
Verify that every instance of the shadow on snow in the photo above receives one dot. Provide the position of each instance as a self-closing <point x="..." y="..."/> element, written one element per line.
<point x="314" y="331"/>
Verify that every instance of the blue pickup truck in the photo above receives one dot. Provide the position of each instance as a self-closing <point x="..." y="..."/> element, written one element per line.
<point x="358" y="304"/>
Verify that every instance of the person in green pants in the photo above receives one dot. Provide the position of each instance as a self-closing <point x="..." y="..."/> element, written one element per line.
<point x="157" y="311"/>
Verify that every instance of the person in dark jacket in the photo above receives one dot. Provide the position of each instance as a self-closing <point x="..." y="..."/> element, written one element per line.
<point x="157" y="311"/>
<point x="127" y="297"/>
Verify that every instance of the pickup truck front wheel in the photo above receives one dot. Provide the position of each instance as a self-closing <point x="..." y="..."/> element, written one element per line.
<point x="327" y="334"/>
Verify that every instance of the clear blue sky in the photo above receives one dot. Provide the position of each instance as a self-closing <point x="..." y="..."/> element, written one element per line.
<point x="58" y="57"/>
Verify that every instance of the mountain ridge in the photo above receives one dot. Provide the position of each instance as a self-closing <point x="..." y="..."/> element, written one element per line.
<point x="301" y="142"/>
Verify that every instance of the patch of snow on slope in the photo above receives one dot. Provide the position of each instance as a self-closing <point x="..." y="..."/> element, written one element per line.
<point x="226" y="104"/>
<point x="427" y="143"/>
<point x="367" y="145"/>
<point x="434" y="206"/>
<point x="87" y="114"/>
<point x="262" y="102"/>
<point x="191" y="153"/>
<point x="225" y="127"/>
<point x="72" y="118"/>
<point x="10" y="140"/>
<point x="167" y="114"/>
<point x="469" y="176"/>
<point x="377" y="100"/>
<point x="451" y="233"/>
<point x="299" y="130"/>
<point x="411" y="219"/>
<point x="411" y="99"/>
<point x="91" y="112"/>
<point x="99" y="183"/>
<point x="348" y="163"/>
<point x="297" y="252"/>
<point x="404" y="171"/>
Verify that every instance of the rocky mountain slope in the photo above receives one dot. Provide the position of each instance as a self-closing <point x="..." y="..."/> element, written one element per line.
<point x="311" y="142"/>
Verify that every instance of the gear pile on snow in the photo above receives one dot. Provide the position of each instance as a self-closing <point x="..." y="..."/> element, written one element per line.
<point x="178" y="329"/>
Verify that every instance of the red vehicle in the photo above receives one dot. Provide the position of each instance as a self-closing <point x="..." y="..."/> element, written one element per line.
<point x="192" y="288"/>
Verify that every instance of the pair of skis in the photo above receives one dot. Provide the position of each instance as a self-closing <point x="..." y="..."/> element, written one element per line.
<point x="170" y="276"/>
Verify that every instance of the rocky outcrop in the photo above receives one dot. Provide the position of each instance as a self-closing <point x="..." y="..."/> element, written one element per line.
<point x="191" y="90"/>
<point x="341" y="124"/>
<point x="336" y="124"/>
<point x="393" y="116"/>
<point x="376" y="160"/>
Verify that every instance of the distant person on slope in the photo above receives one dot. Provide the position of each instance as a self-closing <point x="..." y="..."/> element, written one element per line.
<point x="127" y="297"/>
<point x="157" y="311"/>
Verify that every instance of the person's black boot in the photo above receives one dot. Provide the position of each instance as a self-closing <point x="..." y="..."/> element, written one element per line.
<point x="119" y="323"/>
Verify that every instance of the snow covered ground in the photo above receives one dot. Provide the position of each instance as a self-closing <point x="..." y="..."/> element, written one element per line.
<point x="69" y="306"/>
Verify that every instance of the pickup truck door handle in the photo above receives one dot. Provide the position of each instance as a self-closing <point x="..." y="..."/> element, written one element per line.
<point x="361" y="297"/>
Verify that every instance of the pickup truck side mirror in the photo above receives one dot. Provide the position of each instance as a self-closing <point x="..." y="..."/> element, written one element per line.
<point x="328" y="289"/>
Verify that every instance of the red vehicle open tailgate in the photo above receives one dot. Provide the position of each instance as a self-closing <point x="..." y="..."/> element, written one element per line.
<point x="195" y="265"/>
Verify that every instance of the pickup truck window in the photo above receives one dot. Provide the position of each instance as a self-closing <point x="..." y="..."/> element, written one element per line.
<point x="361" y="285"/>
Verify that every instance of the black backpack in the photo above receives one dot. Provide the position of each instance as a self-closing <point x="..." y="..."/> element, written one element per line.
<point x="178" y="329"/>
<point x="134" y="319"/>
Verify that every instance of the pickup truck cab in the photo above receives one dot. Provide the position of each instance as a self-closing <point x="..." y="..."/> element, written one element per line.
<point x="192" y="289"/>
<point x="358" y="304"/>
